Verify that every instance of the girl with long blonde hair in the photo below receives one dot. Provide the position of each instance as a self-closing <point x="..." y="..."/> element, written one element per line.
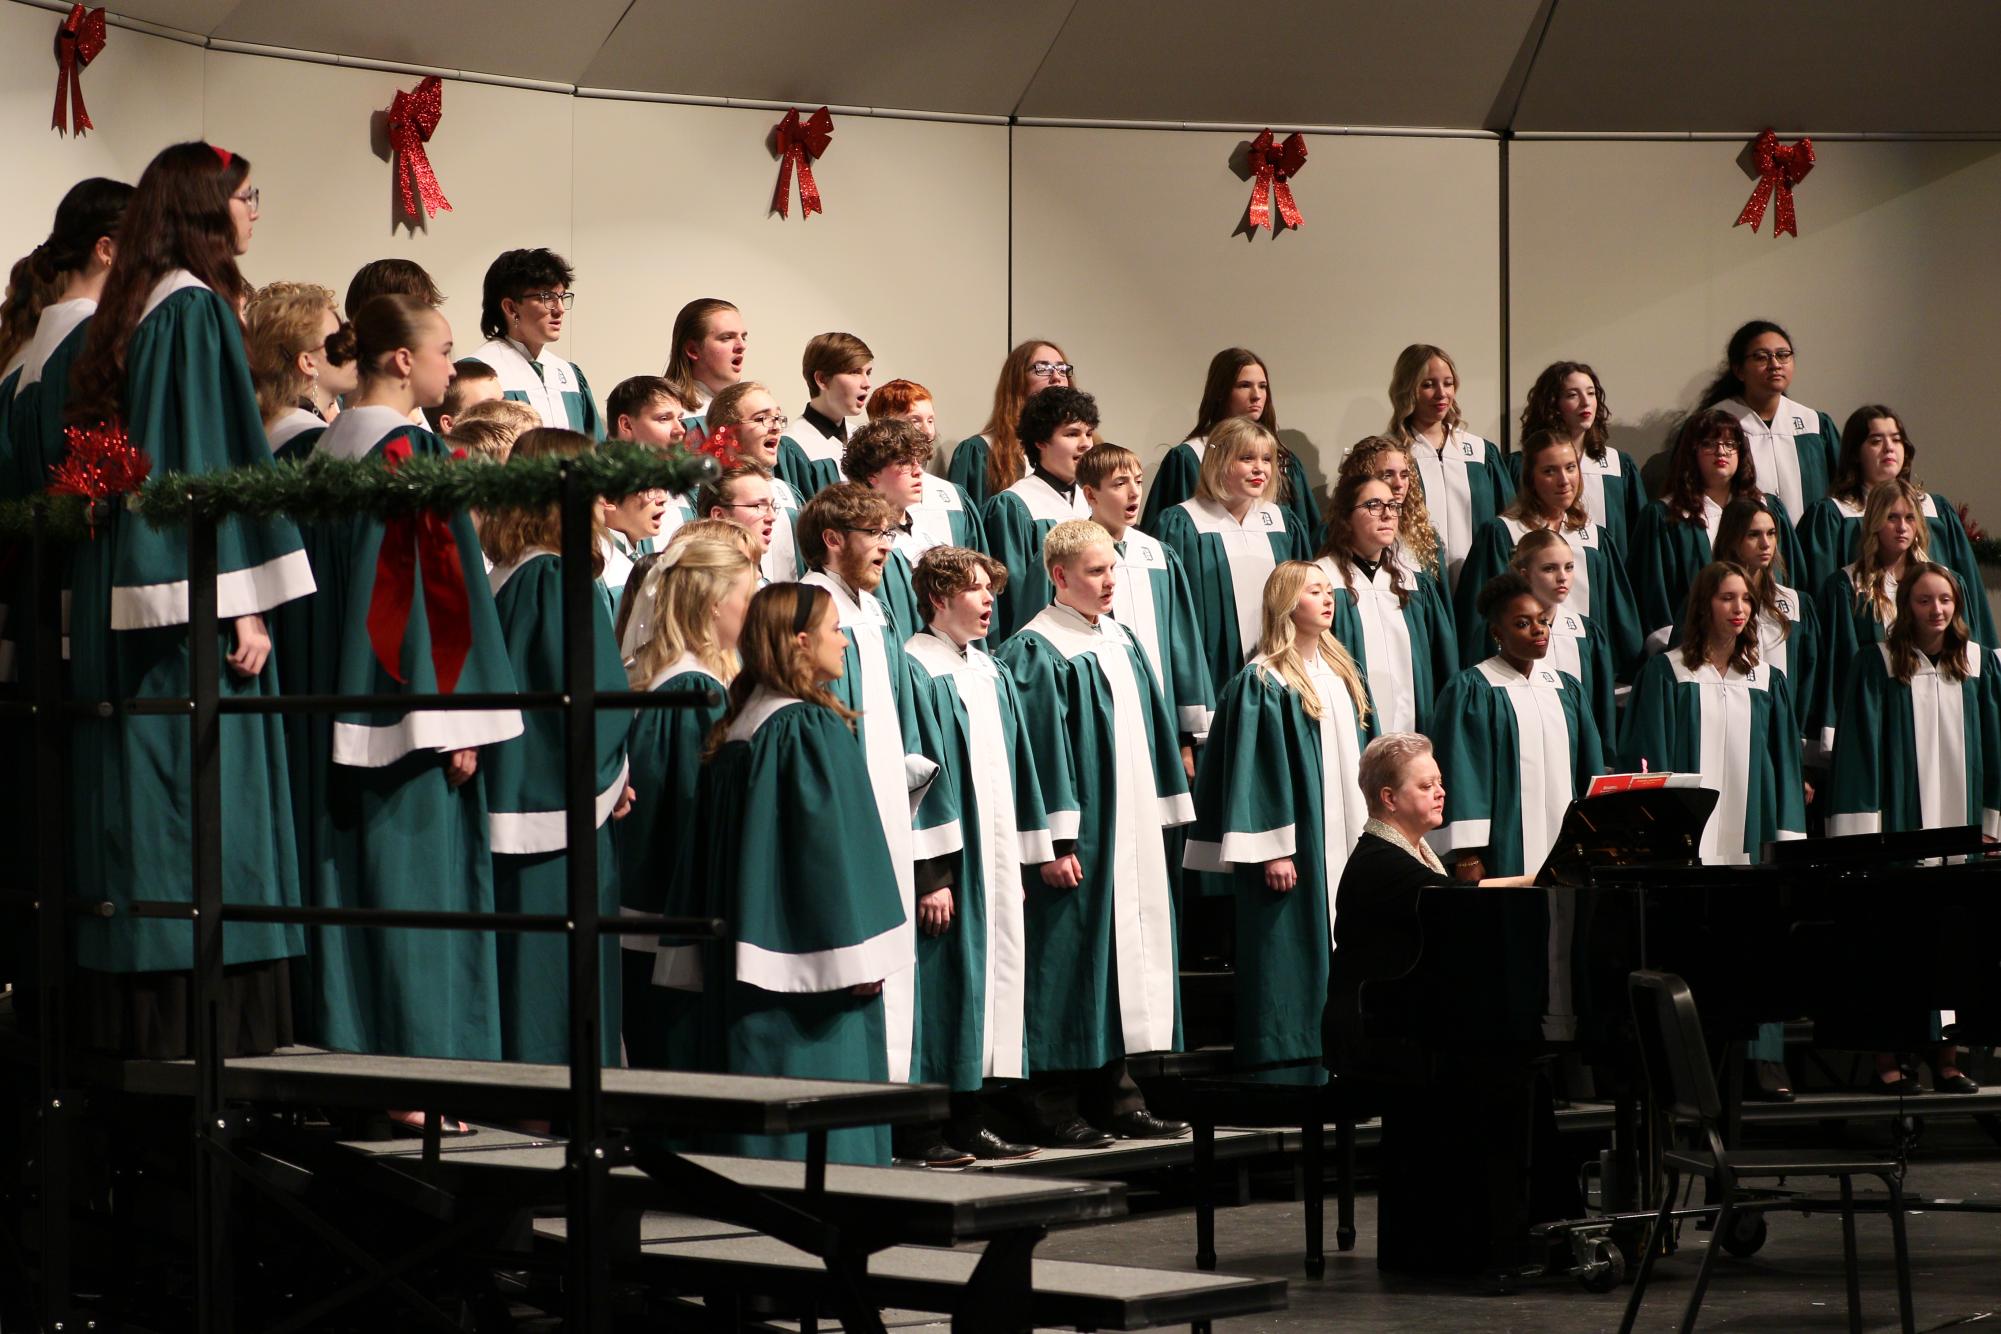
<point x="1465" y="479"/>
<point x="1279" y="806"/>
<point x="1858" y="602"/>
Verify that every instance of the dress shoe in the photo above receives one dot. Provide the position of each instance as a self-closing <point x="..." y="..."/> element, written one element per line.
<point x="1143" y="1124"/>
<point x="1955" y="1083"/>
<point x="989" y="1147"/>
<point x="1076" y="1133"/>
<point x="1905" y="1087"/>
<point x="939" y="1154"/>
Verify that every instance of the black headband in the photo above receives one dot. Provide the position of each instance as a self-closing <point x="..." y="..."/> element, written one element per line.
<point x="802" y="611"/>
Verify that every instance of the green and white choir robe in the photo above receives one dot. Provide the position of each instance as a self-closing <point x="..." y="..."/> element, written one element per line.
<point x="1613" y="492"/>
<point x="31" y="443"/>
<point x="1795" y="455"/>
<point x="1790" y="641"/>
<point x="809" y="458"/>
<point x="379" y="825"/>
<point x="1830" y="536"/>
<point x="948" y="516"/>
<point x="1578" y="647"/>
<point x="665" y="746"/>
<point x="785" y="1005"/>
<point x="974" y="975"/>
<point x="1917" y="754"/>
<point x="1738" y="733"/>
<point x="968" y="470"/>
<point x="620" y="553"/>
<point x="1406" y="651"/>
<point x="530" y="831"/>
<point x="1667" y="553"/>
<point x="1465" y="484"/>
<point x="1848" y="624"/>
<point x="1180" y="470"/>
<point x="189" y="404"/>
<point x="783" y="563"/>
<point x="555" y="388"/>
<point x="1599" y="588"/>
<point x="1016" y="522"/>
<point x="297" y="433"/>
<point x="1515" y="751"/>
<point x="1151" y="598"/>
<point x="1103" y="976"/>
<point x="1275" y="783"/>
<point x="916" y="798"/>
<point x="1228" y="565"/>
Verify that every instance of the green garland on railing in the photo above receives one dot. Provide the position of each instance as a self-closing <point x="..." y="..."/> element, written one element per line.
<point x="323" y="488"/>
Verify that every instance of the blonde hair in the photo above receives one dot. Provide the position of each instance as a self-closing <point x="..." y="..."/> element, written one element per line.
<point x="1278" y="643"/>
<point x="281" y="321"/>
<point x="1903" y="637"/>
<point x="486" y="438"/>
<point x="1527" y="507"/>
<point x="1231" y="440"/>
<point x="730" y="534"/>
<point x="683" y="588"/>
<point x="1405" y="377"/>
<point x="1871" y="593"/>
<point x="511" y="533"/>
<point x="772" y="658"/>
<point x="1072" y="537"/>
<point x="1414" y="523"/>
<point x="510" y="413"/>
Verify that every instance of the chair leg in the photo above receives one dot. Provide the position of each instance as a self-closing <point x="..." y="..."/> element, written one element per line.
<point x="1650" y="1247"/>
<point x="1851" y="1270"/>
<point x="1314" y="1167"/>
<point x="1725" y="1214"/>
<point x="1205" y="1195"/>
<point x="1903" y="1253"/>
<point x="1344" y="1149"/>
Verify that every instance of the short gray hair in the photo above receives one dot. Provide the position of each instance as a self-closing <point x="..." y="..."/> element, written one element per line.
<point x="1384" y="762"/>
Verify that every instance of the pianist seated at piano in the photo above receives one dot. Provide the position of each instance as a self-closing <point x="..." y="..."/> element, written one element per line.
<point x="1711" y="707"/>
<point x="1455" y="1125"/>
<point x="1516" y="741"/>
<point x="1919" y="746"/>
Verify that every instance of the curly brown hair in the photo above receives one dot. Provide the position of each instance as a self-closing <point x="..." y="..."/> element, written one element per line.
<point x="1683" y="491"/>
<point x="1544" y="409"/>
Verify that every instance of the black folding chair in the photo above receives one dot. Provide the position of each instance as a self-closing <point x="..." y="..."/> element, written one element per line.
<point x="1683" y="1090"/>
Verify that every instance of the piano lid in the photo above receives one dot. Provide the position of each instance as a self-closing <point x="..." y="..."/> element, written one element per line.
<point x="1659" y="826"/>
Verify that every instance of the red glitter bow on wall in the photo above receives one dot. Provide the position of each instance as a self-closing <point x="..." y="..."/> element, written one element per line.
<point x="1274" y="164"/>
<point x="412" y="544"/>
<point x="100" y="462"/>
<point x="1780" y="168"/>
<point x="799" y="142"/>
<point x="413" y="118"/>
<point x="78" y="40"/>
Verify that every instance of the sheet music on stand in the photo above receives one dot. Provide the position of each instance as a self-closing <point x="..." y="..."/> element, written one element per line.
<point x="1604" y="785"/>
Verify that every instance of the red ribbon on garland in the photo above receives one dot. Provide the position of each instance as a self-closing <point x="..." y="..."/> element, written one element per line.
<point x="413" y="118"/>
<point x="1780" y="168"/>
<point x="78" y="40"/>
<point x="720" y="444"/>
<point x="1274" y="164"/>
<point x="100" y="462"/>
<point x="799" y="142"/>
<point x="414" y="546"/>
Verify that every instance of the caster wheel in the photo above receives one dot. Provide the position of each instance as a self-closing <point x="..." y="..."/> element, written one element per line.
<point x="1747" y="1235"/>
<point x="1606" y="1271"/>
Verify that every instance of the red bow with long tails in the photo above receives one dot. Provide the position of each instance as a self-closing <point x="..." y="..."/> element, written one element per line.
<point x="413" y="118"/>
<point x="78" y="40"/>
<point x="1274" y="165"/>
<point x="1780" y="168"/>
<point x="799" y="142"/>
<point x="417" y="545"/>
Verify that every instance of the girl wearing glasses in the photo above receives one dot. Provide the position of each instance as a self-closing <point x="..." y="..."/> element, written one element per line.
<point x="1236" y="386"/>
<point x="1552" y="497"/>
<point x="1390" y="462"/>
<point x="1392" y="622"/>
<point x="523" y="302"/>
<point x="750" y="413"/>
<point x="987" y="464"/>
<point x="1875" y="448"/>
<point x="1569" y="399"/>
<point x="163" y="358"/>
<point x="1793" y="446"/>
<point x="1464" y="478"/>
<point x="302" y="361"/>
<point x="1708" y="469"/>
<point x="1230" y="537"/>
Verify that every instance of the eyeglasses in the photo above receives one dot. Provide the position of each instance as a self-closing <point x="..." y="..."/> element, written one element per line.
<point x="754" y="506"/>
<point x="1062" y="368"/>
<point x="1716" y="447"/>
<point x="769" y="421"/>
<point x="1381" y="506"/>
<point x="248" y="197"/>
<point x="1777" y="356"/>
<point x="881" y="535"/>
<point x="563" y="299"/>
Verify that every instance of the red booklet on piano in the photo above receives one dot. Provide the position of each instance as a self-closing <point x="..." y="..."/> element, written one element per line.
<point x="1606" y="784"/>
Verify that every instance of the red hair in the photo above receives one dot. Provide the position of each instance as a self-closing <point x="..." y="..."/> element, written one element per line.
<point x="896" y="398"/>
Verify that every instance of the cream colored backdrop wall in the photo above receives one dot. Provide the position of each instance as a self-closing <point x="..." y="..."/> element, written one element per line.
<point x="1124" y="253"/>
<point x="1624" y="256"/>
